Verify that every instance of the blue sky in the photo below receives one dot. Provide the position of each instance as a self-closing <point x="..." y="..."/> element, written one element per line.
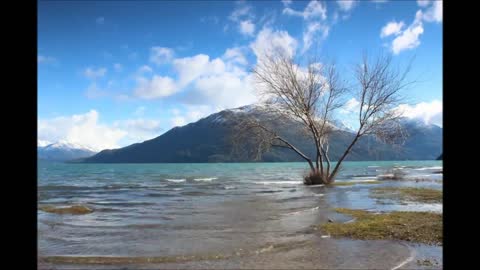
<point x="112" y="73"/>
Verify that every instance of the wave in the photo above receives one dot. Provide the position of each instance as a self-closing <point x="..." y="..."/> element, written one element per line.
<point x="319" y="185"/>
<point x="176" y="180"/>
<point x="205" y="179"/>
<point x="278" y="182"/>
<point x="304" y="210"/>
<point x="230" y="187"/>
<point x="429" y="168"/>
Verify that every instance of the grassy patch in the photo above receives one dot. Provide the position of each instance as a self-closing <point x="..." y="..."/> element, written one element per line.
<point x="422" y="227"/>
<point x="351" y="183"/>
<point x="72" y="210"/>
<point x="424" y="195"/>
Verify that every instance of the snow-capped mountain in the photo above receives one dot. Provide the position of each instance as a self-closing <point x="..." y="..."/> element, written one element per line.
<point x="207" y="141"/>
<point x="62" y="151"/>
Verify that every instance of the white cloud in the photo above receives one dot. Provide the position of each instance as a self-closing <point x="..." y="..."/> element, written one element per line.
<point x="286" y="3"/>
<point x="117" y="67"/>
<point x="190" y="68"/>
<point x="42" y="59"/>
<point x="409" y="38"/>
<point x="239" y="12"/>
<point x="191" y="113"/>
<point x="156" y="87"/>
<point x="310" y="34"/>
<point x="100" y="20"/>
<point x="178" y="121"/>
<point x="145" y="69"/>
<point x="247" y="28"/>
<point x="93" y="73"/>
<point x="346" y="5"/>
<point x="83" y="129"/>
<point x="226" y="90"/>
<point x="423" y="3"/>
<point x="42" y="143"/>
<point x="160" y="55"/>
<point x="235" y="55"/>
<point x="428" y="112"/>
<point x="271" y="41"/>
<point x="138" y="130"/>
<point x="392" y="28"/>
<point x="434" y="13"/>
<point x="352" y="105"/>
<point x="314" y="9"/>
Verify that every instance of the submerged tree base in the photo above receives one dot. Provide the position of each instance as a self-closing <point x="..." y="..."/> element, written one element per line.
<point x="421" y="227"/>
<point x="316" y="178"/>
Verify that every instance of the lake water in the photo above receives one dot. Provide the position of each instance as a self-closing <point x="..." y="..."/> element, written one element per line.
<point x="187" y="209"/>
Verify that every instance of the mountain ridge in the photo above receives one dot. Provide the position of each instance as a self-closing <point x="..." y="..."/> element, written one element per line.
<point x="206" y="140"/>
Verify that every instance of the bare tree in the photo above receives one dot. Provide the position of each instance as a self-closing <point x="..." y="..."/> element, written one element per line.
<point x="310" y="96"/>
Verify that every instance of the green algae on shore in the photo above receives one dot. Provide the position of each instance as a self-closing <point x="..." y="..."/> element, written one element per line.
<point x="73" y="210"/>
<point x="423" y="195"/>
<point x="421" y="227"/>
<point x="351" y="183"/>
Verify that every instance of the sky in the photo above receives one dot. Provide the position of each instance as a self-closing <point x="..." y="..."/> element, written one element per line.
<point x="113" y="73"/>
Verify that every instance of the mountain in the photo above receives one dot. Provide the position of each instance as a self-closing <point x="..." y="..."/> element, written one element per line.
<point x="207" y="141"/>
<point x="63" y="151"/>
<point x="440" y="157"/>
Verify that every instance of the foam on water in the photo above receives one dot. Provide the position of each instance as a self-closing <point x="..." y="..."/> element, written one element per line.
<point x="176" y="180"/>
<point x="278" y="182"/>
<point x="205" y="179"/>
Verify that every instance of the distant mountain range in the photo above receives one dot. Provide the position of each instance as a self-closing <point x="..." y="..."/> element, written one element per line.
<point x="63" y="151"/>
<point x="207" y="141"/>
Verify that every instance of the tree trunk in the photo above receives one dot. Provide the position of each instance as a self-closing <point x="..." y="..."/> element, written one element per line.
<point x="332" y="176"/>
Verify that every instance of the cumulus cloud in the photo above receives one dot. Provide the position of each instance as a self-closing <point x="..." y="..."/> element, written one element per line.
<point x="235" y="55"/>
<point x="225" y="90"/>
<point x="346" y="5"/>
<point x="247" y="28"/>
<point x="423" y="3"/>
<point x="268" y="40"/>
<point x="410" y="37"/>
<point x="156" y="87"/>
<point x="92" y="73"/>
<point x="138" y="130"/>
<point x="83" y="129"/>
<point x="243" y="16"/>
<point x="311" y="33"/>
<point x="392" y="28"/>
<point x="160" y="55"/>
<point x="434" y="13"/>
<point x="86" y="130"/>
<point x="190" y="68"/>
<point x="351" y="106"/>
<point x="428" y="112"/>
<point x="314" y="9"/>
<point x="190" y="113"/>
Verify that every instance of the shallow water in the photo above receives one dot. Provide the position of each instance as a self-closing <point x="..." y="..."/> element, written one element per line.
<point x="153" y="210"/>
